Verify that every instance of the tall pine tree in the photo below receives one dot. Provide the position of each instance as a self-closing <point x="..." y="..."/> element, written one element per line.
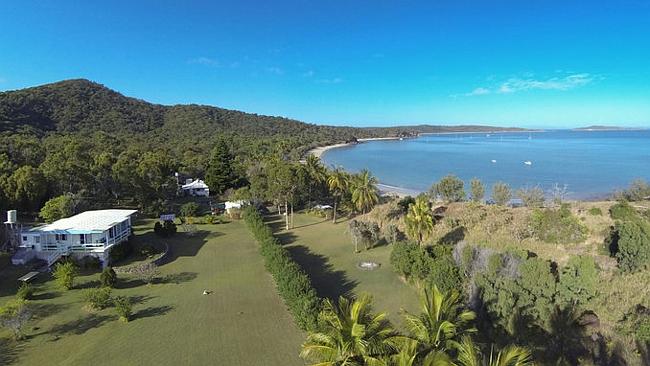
<point x="220" y="174"/>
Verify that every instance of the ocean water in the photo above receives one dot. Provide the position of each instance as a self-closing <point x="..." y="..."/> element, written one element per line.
<point x="592" y="164"/>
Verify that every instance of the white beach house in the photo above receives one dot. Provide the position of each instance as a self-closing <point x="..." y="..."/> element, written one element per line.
<point x="90" y="233"/>
<point x="196" y="188"/>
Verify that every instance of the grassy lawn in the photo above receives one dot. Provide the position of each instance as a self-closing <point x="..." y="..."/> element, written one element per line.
<point x="243" y="322"/>
<point x="325" y="251"/>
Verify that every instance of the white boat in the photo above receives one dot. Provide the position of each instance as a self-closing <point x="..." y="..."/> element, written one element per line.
<point x="528" y="162"/>
<point x="494" y="161"/>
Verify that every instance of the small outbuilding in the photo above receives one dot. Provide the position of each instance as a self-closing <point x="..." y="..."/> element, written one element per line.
<point x="196" y="188"/>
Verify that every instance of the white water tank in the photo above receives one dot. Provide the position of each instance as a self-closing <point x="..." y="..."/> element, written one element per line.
<point x="12" y="217"/>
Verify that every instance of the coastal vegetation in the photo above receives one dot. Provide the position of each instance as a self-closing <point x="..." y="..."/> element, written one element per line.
<point x="547" y="281"/>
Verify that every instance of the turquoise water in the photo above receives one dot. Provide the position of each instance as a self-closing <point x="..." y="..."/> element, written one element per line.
<point x="591" y="163"/>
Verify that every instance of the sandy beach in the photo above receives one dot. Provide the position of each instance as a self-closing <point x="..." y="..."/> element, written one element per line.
<point x="318" y="152"/>
<point x="383" y="188"/>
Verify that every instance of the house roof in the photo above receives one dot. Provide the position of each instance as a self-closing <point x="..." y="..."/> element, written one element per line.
<point x="87" y="222"/>
<point x="197" y="184"/>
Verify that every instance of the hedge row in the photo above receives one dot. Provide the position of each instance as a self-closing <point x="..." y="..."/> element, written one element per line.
<point x="292" y="282"/>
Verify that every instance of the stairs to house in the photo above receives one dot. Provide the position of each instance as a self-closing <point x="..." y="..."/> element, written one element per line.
<point x="55" y="256"/>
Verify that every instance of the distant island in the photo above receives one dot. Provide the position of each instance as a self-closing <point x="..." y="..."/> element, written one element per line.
<point x="607" y="128"/>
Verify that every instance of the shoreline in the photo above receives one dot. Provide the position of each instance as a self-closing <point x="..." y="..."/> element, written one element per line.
<point x="319" y="151"/>
<point x="386" y="189"/>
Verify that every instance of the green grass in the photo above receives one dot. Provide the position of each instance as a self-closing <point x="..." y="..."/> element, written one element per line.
<point x="243" y="322"/>
<point x="326" y="253"/>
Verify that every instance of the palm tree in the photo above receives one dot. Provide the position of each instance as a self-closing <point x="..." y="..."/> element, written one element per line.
<point x="338" y="183"/>
<point x="351" y="335"/>
<point x="407" y="355"/>
<point x="440" y="323"/>
<point x="316" y="172"/>
<point x="364" y="191"/>
<point x="419" y="220"/>
<point x="470" y="355"/>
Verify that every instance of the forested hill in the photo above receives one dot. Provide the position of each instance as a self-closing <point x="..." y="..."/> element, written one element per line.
<point x="83" y="106"/>
<point x="79" y="137"/>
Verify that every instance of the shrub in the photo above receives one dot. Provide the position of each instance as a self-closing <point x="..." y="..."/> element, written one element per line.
<point x="623" y="211"/>
<point x="595" y="211"/>
<point x="416" y="263"/>
<point x="531" y="197"/>
<point x="108" y="278"/>
<point x="557" y="226"/>
<point x="643" y="330"/>
<point x="501" y="193"/>
<point x="25" y="291"/>
<point x="166" y="229"/>
<point x="190" y="209"/>
<point x="169" y="228"/>
<point x="65" y="274"/>
<point x="146" y="250"/>
<point x="393" y="234"/>
<point x="88" y="262"/>
<point x="638" y="191"/>
<point x="212" y="219"/>
<point x="450" y="188"/>
<point x="410" y="260"/>
<point x="443" y="271"/>
<point x="121" y="251"/>
<point x="405" y="202"/>
<point x="477" y="189"/>
<point x="14" y="315"/>
<point x="631" y="245"/>
<point x="292" y="283"/>
<point x="578" y="282"/>
<point x="97" y="298"/>
<point x="123" y="308"/>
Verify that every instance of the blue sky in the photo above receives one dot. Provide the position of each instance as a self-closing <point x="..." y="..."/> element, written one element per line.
<point x="528" y="63"/>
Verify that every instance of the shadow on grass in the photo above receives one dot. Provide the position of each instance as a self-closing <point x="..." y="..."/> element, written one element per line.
<point x="312" y="224"/>
<point x="453" y="237"/>
<point x="45" y="310"/>
<point x="88" y="284"/>
<point x="124" y="284"/>
<point x="152" y="311"/>
<point x="44" y="296"/>
<point x="81" y="325"/>
<point x="9" y="350"/>
<point x="327" y="281"/>
<point x="186" y="246"/>
<point x="178" y="278"/>
<point x="140" y="299"/>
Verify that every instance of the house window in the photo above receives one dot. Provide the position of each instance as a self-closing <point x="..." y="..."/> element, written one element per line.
<point x="61" y="237"/>
<point x="37" y="239"/>
<point x="25" y="239"/>
<point x="82" y="239"/>
<point x="111" y="232"/>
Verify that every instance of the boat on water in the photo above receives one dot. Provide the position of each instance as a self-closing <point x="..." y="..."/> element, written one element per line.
<point x="494" y="161"/>
<point x="528" y="162"/>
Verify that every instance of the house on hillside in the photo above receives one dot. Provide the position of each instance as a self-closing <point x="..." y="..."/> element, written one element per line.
<point x="195" y="188"/>
<point x="90" y="233"/>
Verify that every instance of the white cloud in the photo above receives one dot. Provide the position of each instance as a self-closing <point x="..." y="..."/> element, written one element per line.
<point x="478" y="91"/>
<point x="330" y="81"/>
<point x="556" y="83"/>
<point x="308" y="74"/>
<point x="528" y="82"/>
<point x="206" y="61"/>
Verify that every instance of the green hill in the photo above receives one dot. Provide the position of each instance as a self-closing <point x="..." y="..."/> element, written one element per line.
<point x="82" y="106"/>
